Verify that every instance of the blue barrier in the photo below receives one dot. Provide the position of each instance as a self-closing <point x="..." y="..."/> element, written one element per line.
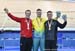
<point x="65" y="40"/>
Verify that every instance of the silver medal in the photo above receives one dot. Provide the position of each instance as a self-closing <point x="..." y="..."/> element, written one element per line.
<point x="28" y="23"/>
<point x="28" y="26"/>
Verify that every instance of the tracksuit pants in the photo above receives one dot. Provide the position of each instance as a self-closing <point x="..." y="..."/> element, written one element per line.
<point x="26" y="44"/>
<point x="38" y="41"/>
<point x="50" y="45"/>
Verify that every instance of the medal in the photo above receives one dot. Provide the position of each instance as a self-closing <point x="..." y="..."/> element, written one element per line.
<point x="39" y="23"/>
<point x="49" y="25"/>
<point x="49" y="28"/>
<point x="28" y="26"/>
<point x="28" y="23"/>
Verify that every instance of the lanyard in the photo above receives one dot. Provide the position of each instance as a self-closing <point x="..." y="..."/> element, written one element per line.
<point x="49" y="25"/>
<point x="39" y="23"/>
<point x="28" y="23"/>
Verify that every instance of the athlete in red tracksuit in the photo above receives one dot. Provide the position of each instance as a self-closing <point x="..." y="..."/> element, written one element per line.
<point x="26" y="40"/>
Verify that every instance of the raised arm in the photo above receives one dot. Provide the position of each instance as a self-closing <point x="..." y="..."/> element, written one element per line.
<point x="12" y="16"/>
<point x="65" y="22"/>
<point x="62" y="25"/>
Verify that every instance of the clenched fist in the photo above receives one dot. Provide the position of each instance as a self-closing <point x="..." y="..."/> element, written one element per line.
<point x="6" y="10"/>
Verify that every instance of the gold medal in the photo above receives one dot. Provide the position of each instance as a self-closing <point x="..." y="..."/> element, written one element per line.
<point x="39" y="23"/>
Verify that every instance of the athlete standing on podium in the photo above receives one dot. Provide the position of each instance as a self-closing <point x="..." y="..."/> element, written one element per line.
<point x="51" y="26"/>
<point x="26" y="40"/>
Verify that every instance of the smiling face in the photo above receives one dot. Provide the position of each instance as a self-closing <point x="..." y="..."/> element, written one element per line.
<point x="27" y="13"/>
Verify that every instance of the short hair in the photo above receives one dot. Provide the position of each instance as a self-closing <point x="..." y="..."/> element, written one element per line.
<point x="49" y="12"/>
<point x="27" y="10"/>
<point x="38" y="10"/>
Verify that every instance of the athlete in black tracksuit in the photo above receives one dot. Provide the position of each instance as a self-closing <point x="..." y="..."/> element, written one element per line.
<point x="51" y="35"/>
